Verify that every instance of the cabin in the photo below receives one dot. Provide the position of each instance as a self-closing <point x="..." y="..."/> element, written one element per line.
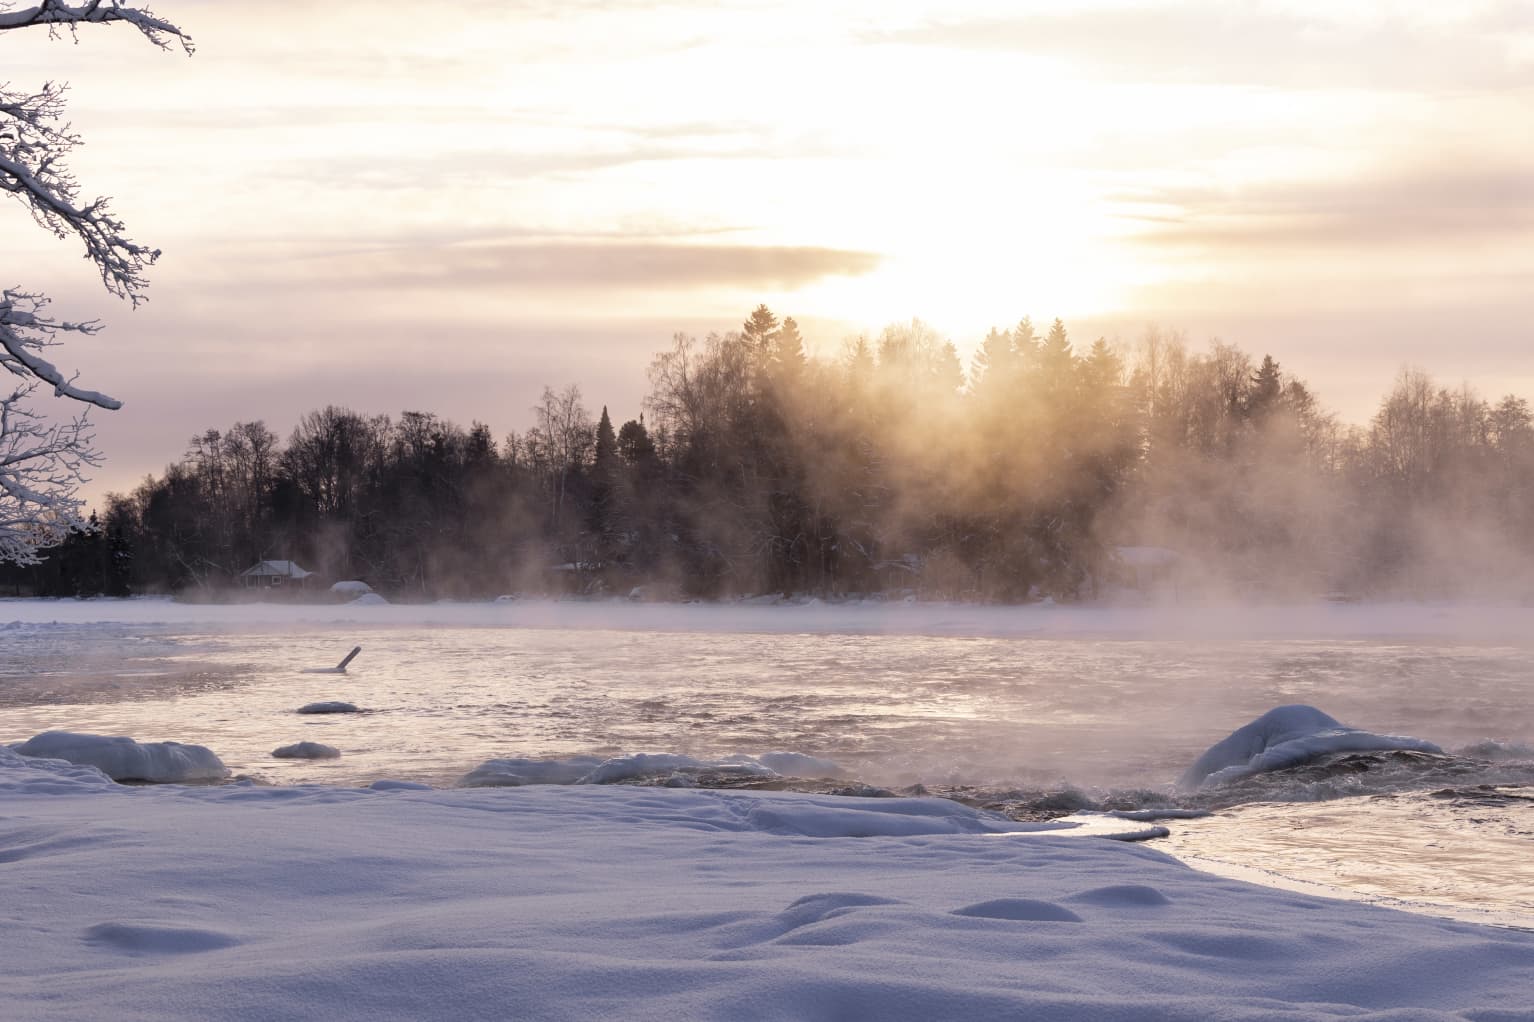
<point x="276" y="575"/>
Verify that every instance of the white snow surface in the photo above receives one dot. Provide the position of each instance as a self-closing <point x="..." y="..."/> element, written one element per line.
<point x="1287" y="736"/>
<point x="240" y="902"/>
<point x="351" y="587"/>
<point x="123" y="759"/>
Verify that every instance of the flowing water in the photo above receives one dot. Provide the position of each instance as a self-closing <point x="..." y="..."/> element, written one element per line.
<point x="1095" y="713"/>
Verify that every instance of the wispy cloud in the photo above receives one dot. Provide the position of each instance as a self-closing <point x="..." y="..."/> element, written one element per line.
<point x="542" y="264"/>
<point x="1239" y="44"/>
<point x="1427" y="205"/>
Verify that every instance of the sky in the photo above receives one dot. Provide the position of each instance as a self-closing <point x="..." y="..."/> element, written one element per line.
<point x="447" y="207"/>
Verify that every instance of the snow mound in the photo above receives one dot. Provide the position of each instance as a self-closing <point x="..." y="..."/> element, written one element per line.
<point x="307" y="750"/>
<point x="368" y="600"/>
<point x="672" y="769"/>
<point x="332" y="706"/>
<point x="1287" y="736"/>
<point x="26" y="775"/>
<point x="504" y="773"/>
<point x="124" y="759"/>
<point x="351" y="587"/>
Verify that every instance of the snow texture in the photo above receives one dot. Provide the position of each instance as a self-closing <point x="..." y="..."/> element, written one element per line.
<point x="1287" y="736"/>
<point x="307" y="750"/>
<point x="565" y="903"/>
<point x="123" y="759"/>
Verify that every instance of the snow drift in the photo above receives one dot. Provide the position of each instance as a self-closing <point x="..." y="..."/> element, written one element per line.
<point x="581" y="902"/>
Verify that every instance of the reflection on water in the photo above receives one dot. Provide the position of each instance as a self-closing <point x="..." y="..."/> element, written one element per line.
<point x="1461" y="852"/>
<point x="959" y="715"/>
<point x="892" y="709"/>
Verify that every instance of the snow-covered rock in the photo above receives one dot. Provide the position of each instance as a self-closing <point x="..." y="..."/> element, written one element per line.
<point x="501" y="773"/>
<point x="1287" y="736"/>
<point x="351" y="587"/>
<point x="307" y="750"/>
<point x="674" y="769"/>
<point x="368" y="600"/>
<point x="30" y="775"/>
<point x="124" y="759"/>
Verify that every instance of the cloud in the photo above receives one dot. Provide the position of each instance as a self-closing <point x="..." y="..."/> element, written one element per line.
<point x="1422" y="205"/>
<point x="1239" y="45"/>
<point x="539" y="265"/>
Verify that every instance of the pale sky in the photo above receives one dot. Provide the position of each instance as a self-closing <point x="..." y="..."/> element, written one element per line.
<point x="443" y="207"/>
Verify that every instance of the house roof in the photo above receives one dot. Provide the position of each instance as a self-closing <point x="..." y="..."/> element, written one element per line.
<point x="268" y="569"/>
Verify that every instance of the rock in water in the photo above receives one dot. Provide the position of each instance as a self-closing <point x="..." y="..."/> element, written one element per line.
<point x="307" y="750"/>
<point x="334" y="706"/>
<point x="1287" y="736"/>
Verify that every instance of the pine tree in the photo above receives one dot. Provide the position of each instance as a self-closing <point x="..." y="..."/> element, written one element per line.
<point x="1267" y="388"/>
<point x="606" y="445"/>
<point x="789" y="358"/>
<point x="760" y="330"/>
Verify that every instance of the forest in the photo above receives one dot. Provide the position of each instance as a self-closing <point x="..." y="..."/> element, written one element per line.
<point x="1042" y="470"/>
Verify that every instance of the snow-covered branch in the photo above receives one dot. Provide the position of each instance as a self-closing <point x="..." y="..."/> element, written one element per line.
<point x="55" y="14"/>
<point x="24" y="332"/>
<point x="42" y="466"/>
<point x="33" y="145"/>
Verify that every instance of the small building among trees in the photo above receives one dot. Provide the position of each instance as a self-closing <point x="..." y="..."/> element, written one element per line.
<point x="275" y="574"/>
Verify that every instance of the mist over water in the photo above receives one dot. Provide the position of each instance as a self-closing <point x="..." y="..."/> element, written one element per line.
<point x="1031" y="711"/>
<point x="1072" y="708"/>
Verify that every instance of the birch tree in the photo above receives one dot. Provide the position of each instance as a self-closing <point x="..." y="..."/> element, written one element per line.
<point x="43" y="466"/>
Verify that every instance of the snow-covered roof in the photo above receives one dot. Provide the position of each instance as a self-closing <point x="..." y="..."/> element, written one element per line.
<point x="267" y="569"/>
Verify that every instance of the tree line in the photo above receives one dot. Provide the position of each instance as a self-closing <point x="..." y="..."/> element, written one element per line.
<point x="1034" y="472"/>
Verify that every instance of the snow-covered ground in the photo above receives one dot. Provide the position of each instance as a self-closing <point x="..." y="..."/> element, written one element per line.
<point x="242" y="902"/>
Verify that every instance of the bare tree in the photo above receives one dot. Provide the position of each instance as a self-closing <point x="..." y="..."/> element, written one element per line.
<point x="34" y="146"/>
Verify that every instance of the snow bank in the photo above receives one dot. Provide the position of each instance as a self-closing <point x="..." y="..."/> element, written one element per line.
<point x="596" y="770"/>
<point x="307" y="750"/>
<point x="1287" y="736"/>
<point x="351" y="587"/>
<point x="368" y="600"/>
<point x="568" y="903"/>
<point x="124" y="759"/>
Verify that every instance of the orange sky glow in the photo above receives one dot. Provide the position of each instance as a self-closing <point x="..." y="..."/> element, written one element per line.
<point x="445" y="207"/>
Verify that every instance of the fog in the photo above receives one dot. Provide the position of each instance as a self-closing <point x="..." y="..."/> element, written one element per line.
<point x="1038" y="698"/>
